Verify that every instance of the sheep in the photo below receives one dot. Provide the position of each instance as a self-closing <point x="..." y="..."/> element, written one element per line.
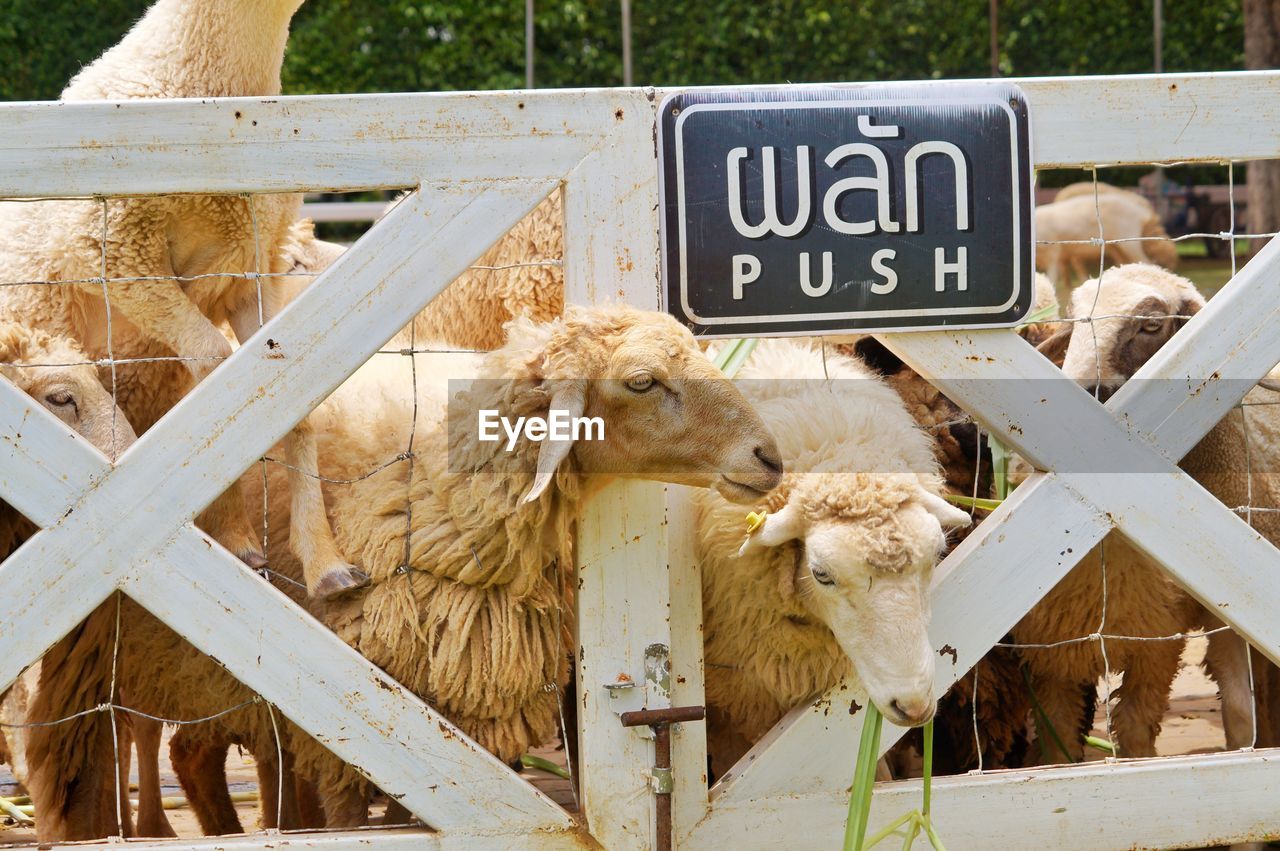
<point x="1002" y="703"/>
<point x="171" y="250"/>
<point x="1115" y="214"/>
<point x="1103" y="359"/>
<point x="59" y="375"/>
<point x="520" y="275"/>
<point x="473" y="621"/>
<point x="835" y="580"/>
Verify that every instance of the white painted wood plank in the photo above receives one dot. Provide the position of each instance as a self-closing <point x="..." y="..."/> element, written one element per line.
<point x="611" y="216"/>
<point x="1213" y="799"/>
<point x="131" y="514"/>
<point x="981" y="590"/>
<point x="327" y="688"/>
<point x="611" y="246"/>
<point x="1145" y="118"/>
<point x="623" y="594"/>
<point x="1210" y="363"/>
<point x="372" y="141"/>
<point x="1024" y="399"/>
<point x="688" y="741"/>
<point x="335" y="142"/>
<point x="371" y="839"/>
<point x="43" y="463"/>
<point x="323" y="336"/>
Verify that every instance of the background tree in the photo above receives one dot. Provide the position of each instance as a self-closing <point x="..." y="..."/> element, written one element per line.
<point x="1262" y="50"/>
<point x="432" y="45"/>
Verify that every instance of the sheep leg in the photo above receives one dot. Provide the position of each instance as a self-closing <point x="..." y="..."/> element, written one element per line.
<point x="68" y="764"/>
<point x="1144" y="697"/>
<point x="151" y="818"/>
<point x="346" y="804"/>
<point x="1060" y="699"/>
<point x="115" y="800"/>
<point x="164" y="312"/>
<point x="310" y="810"/>
<point x="201" y="766"/>
<point x="326" y="572"/>
<point x="1226" y="660"/>
<point x="277" y="779"/>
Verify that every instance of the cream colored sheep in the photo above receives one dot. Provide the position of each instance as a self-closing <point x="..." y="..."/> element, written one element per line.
<point x="835" y="582"/>
<point x="1141" y="599"/>
<point x="72" y="392"/>
<point x="1075" y="217"/>
<point x="520" y="275"/>
<point x="178" y="49"/>
<point x="473" y="622"/>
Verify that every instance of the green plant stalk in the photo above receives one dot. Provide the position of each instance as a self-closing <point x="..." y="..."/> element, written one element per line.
<point x="1042" y="719"/>
<point x="724" y="355"/>
<point x="1049" y="311"/>
<point x="999" y="466"/>
<point x="1100" y="744"/>
<point x="864" y="777"/>
<point x="530" y="761"/>
<point x="734" y="355"/>
<point x="973" y="502"/>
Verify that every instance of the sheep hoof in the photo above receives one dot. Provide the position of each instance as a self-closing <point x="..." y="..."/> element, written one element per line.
<point x="254" y="558"/>
<point x="339" y="581"/>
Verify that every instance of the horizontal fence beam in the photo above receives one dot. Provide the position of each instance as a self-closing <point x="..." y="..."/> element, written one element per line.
<point x="370" y="839"/>
<point x="1169" y="802"/>
<point x="322" y="143"/>
<point x="361" y="142"/>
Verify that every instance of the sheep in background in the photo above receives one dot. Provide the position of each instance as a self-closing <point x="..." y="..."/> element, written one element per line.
<point x="474" y="620"/>
<point x="71" y="391"/>
<point x="1145" y="306"/>
<point x="1076" y="216"/>
<point x="521" y="275"/>
<point x="177" y="49"/>
<point x="835" y="581"/>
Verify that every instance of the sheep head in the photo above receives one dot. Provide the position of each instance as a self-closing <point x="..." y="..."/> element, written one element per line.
<point x="865" y="546"/>
<point x="73" y="393"/>
<point x="1141" y="306"/>
<point x="668" y="414"/>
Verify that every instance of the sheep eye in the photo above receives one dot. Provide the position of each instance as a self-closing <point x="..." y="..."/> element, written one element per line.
<point x="822" y="576"/>
<point x="1152" y="326"/>
<point x="60" y="399"/>
<point x="640" y="383"/>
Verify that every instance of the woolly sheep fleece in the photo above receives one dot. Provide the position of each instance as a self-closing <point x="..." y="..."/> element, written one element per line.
<point x="764" y="651"/>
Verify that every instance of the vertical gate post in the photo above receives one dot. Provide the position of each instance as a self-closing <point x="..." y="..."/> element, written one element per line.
<point x="623" y="588"/>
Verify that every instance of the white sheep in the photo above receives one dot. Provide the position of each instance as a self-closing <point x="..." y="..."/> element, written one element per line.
<point x="1143" y="306"/>
<point x="177" y="49"/>
<point x="1076" y="217"/>
<point x="836" y="579"/>
<point x="520" y="275"/>
<point x="473" y="621"/>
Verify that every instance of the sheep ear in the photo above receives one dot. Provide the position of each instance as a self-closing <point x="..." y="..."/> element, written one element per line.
<point x="1055" y="348"/>
<point x="570" y="396"/>
<point x="950" y="516"/>
<point x="776" y="529"/>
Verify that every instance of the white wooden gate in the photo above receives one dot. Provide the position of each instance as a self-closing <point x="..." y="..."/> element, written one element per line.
<point x="480" y="161"/>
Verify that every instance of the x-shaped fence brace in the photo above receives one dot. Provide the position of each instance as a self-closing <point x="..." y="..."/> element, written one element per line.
<point x="1054" y="518"/>
<point x="129" y="526"/>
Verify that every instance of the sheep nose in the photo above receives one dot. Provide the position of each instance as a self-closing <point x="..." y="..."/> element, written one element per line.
<point x="913" y="711"/>
<point x="768" y="456"/>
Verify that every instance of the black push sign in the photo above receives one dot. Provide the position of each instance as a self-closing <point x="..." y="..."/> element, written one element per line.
<point x="820" y="210"/>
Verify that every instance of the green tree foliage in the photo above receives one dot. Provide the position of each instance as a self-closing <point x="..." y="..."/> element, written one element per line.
<point x="427" y="45"/>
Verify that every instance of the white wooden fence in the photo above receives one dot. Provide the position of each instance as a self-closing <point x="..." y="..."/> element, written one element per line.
<point x="480" y="162"/>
